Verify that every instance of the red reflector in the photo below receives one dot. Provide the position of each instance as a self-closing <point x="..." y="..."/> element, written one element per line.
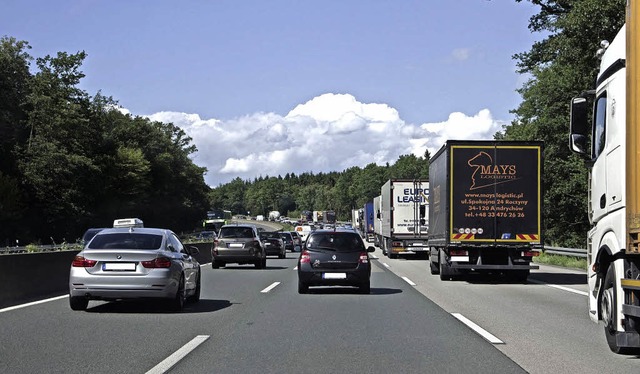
<point x="81" y="262"/>
<point x="458" y="252"/>
<point x="305" y="258"/>
<point x="160" y="262"/>
<point x="530" y="254"/>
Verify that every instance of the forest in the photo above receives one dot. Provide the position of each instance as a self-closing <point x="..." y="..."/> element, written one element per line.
<point x="70" y="160"/>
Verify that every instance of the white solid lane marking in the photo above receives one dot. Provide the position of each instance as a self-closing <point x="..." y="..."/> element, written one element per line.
<point x="560" y="287"/>
<point x="178" y="355"/>
<point x="484" y="333"/>
<point x="274" y="285"/>
<point x="408" y="281"/>
<point x="374" y="257"/>
<point x="32" y="303"/>
<point x="295" y="268"/>
<point x="386" y="265"/>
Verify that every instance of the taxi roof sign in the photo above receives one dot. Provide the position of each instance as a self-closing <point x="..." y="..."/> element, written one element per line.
<point x="128" y="222"/>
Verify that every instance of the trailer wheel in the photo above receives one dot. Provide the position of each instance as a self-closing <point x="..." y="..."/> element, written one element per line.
<point x="444" y="268"/>
<point x="434" y="268"/>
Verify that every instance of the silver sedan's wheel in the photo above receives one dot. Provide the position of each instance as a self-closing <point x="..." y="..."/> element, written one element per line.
<point x="78" y="302"/>
<point x="177" y="304"/>
<point x="196" y="294"/>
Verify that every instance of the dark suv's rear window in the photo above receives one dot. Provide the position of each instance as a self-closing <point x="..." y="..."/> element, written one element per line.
<point x="336" y="241"/>
<point x="235" y="232"/>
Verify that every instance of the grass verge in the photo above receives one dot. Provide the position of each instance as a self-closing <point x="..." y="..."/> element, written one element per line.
<point x="560" y="260"/>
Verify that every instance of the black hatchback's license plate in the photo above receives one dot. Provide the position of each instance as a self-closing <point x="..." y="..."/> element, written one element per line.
<point x="334" y="276"/>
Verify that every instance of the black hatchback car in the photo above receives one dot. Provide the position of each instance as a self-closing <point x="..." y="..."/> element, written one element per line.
<point x="334" y="258"/>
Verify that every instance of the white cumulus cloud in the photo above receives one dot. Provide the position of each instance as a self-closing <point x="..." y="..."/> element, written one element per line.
<point x="330" y="132"/>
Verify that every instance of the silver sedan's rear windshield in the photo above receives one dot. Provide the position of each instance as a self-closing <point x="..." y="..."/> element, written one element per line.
<point x="339" y="242"/>
<point x="126" y="241"/>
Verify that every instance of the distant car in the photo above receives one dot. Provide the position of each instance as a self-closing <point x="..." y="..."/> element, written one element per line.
<point x="273" y="244"/>
<point x="90" y="233"/>
<point x="132" y="263"/>
<point x="304" y="230"/>
<point x="334" y="258"/>
<point x="205" y="235"/>
<point x="297" y="240"/>
<point x="238" y="243"/>
<point x="288" y="240"/>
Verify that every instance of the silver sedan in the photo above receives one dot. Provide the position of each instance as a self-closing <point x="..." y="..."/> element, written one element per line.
<point x="132" y="263"/>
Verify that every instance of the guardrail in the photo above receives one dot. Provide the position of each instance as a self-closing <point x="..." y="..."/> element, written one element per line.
<point x="576" y="252"/>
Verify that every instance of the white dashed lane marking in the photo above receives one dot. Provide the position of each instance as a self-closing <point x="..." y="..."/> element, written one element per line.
<point x="274" y="285"/>
<point x="484" y="333"/>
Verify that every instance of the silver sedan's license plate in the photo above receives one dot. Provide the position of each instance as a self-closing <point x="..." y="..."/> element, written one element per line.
<point x="119" y="266"/>
<point x="334" y="276"/>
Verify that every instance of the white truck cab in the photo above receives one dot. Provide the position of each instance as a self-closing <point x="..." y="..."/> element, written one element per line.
<point x="604" y="141"/>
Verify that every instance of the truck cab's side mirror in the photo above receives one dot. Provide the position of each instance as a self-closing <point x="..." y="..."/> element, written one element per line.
<point x="579" y="128"/>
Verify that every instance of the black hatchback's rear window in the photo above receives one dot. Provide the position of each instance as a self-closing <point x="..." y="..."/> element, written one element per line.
<point x="339" y="242"/>
<point x="126" y="241"/>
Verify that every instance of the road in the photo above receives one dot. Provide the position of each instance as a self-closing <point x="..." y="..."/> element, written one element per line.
<point x="252" y="321"/>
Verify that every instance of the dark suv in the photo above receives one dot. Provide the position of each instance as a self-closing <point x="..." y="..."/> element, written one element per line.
<point x="239" y="244"/>
<point x="334" y="258"/>
<point x="273" y="244"/>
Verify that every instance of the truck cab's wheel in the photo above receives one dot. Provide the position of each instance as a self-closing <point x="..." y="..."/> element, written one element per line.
<point x="609" y="310"/>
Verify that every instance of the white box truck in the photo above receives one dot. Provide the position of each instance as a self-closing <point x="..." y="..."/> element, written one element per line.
<point x="403" y="213"/>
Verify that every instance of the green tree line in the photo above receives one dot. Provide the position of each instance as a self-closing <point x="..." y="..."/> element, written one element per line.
<point x="338" y="191"/>
<point x="69" y="161"/>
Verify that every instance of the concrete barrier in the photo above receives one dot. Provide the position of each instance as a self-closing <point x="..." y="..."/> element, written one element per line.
<point x="34" y="276"/>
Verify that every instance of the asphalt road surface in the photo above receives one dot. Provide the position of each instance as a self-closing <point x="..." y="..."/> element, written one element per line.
<point x="254" y="321"/>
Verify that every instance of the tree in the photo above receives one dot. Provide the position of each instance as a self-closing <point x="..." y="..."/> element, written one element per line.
<point x="14" y="88"/>
<point x="561" y="66"/>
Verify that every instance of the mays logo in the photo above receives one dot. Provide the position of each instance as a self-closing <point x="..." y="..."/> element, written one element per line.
<point x="486" y="173"/>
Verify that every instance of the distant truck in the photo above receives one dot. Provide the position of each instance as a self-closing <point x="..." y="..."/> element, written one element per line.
<point x="377" y="221"/>
<point x="356" y="220"/>
<point x="368" y="215"/>
<point x="486" y="208"/>
<point x="274" y="215"/>
<point x="329" y="216"/>
<point x="403" y="213"/>
<point x="318" y="216"/>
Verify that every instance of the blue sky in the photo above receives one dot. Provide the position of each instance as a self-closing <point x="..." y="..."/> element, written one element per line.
<point x="260" y="85"/>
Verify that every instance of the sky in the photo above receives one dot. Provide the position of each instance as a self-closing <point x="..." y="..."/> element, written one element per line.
<point x="270" y="87"/>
